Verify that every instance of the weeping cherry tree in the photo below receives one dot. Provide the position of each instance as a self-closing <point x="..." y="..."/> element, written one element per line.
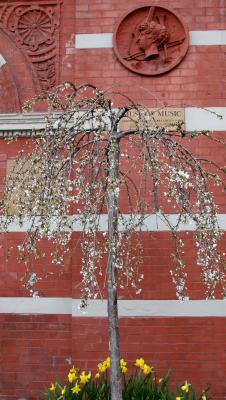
<point x="100" y="161"/>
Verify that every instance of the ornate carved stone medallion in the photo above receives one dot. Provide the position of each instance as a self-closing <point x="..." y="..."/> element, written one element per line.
<point x="34" y="26"/>
<point x="150" y="40"/>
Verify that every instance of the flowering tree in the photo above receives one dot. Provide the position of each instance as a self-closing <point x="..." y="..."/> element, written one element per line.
<point x="87" y="159"/>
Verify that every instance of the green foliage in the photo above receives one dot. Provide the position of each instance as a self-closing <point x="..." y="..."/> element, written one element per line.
<point x="143" y="384"/>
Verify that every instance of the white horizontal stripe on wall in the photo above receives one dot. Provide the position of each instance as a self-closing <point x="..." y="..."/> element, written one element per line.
<point x="127" y="308"/>
<point x="93" y="40"/>
<point x="153" y="223"/>
<point x="105" y="40"/>
<point x="207" y="38"/>
<point x="210" y="118"/>
<point x="2" y="61"/>
<point x="35" y="305"/>
<point x="154" y="308"/>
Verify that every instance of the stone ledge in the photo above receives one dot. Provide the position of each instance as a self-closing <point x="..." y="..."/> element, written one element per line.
<point x="24" y="125"/>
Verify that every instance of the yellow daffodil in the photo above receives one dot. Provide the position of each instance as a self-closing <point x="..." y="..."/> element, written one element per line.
<point x="123" y="363"/>
<point x="97" y="376"/>
<point x="123" y="367"/>
<point x="71" y="377"/>
<point x="85" y="378"/>
<point x="72" y="370"/>
<point x="63" y="390"/>
<point x="178" y="398"/>
<point x="139" y="363"/>
<point x="76" y="389"/>
<point x="101" y="367"/>
<point x="52" y="388"/>
<point x="147" y="369"/>
<point x="107" y="362"/>
<point x="105" y="365"/>
<point x="185" y="387"/>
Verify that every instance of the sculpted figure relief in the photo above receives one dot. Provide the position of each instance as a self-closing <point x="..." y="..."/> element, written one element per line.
<point x="150" y="40"/>
<point x="149" y="37"/>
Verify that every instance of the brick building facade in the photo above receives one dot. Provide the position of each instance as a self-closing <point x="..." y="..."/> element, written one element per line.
<point x="43" y="43"/>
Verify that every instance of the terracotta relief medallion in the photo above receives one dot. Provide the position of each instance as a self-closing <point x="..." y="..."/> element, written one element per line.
<point x="34" y="26"/>
<point x="150" y="40"/>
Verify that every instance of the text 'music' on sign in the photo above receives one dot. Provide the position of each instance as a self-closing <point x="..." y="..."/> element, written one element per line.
<point x="169" y="118"/>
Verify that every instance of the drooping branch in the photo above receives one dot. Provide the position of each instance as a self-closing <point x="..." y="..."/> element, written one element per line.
<point x="69" y="166"/>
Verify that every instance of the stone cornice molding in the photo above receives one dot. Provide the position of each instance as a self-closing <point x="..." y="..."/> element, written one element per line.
<point x="32" y="124"/>
<point x="22" y="124"/>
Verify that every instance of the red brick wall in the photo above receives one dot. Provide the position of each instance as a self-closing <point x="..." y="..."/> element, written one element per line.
<point x="199" y="80"/>
<point x="192" y="347"/>
<point x="37" y="348"/>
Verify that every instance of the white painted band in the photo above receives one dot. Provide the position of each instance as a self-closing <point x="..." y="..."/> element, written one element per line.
<point x="210" y="118"/>
<point x="105" y="40"/>
<point x="154" y="308"/>
<point x="195" y="119"/>
<point x="93" y="40"/>
<point x="2" y="61"/>
<point x="127" y="308"/>
<point x="35" y="305"/>
<point x="153" y="223"/>
<point x="207" y="38"/>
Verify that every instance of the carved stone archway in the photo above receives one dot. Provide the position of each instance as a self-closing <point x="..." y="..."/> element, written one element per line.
<point x="17" y="71"/>
<point x="33" y="28"/>
<point x="9" y="96"/>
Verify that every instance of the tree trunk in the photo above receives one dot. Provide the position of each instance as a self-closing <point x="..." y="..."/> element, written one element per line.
<point x="113" y="182"/>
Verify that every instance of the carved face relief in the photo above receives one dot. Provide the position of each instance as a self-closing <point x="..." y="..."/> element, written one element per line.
<point x="150" y="40"/>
